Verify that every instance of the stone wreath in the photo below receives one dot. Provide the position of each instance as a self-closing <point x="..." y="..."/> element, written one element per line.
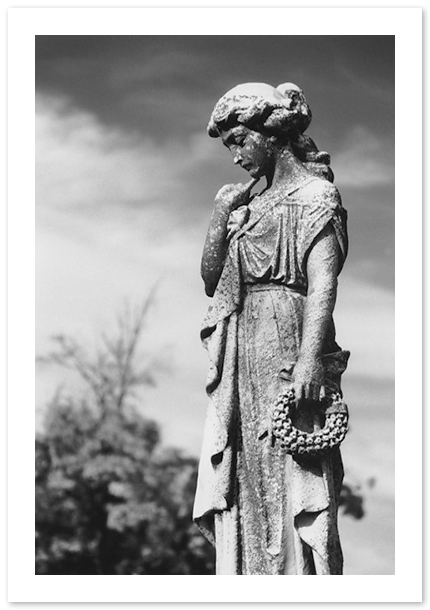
<point x="296" y="441"/>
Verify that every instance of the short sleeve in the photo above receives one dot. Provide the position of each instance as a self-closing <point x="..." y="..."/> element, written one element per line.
<point x="323" y="206"/>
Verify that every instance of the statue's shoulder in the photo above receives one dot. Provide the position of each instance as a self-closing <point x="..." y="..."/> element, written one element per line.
<point x="320" y="192"/>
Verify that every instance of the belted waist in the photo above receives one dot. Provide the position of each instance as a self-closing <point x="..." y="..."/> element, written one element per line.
<point x="272" y="286"/>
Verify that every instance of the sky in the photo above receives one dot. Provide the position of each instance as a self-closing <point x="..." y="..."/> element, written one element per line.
<point x="125" y="181"/>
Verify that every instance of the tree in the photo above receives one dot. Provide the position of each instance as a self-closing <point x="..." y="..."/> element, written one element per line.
<point x="109" y="498"/>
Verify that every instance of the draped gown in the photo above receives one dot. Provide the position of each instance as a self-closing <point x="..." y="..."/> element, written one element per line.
<point x="265" y="511"/>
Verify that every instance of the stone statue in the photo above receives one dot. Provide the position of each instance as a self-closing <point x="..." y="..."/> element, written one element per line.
<point x="270" y="471"/>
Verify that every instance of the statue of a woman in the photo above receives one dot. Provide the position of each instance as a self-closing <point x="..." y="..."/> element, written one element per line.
<point x="270" y="264"/>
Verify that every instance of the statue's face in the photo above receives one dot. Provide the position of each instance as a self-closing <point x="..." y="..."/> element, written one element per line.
<point x="250" y="149"/>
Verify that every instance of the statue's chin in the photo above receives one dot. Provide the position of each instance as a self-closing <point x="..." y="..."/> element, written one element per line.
<point x="255" y="172"/>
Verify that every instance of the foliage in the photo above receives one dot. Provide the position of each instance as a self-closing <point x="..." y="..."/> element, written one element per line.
<point x="351" y="501"/>
<point x="109" y="498"/>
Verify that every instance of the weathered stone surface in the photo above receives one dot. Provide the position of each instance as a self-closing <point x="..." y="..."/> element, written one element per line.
<point x="270" y="471"/>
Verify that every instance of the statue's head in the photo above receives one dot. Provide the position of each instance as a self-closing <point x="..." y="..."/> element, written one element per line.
<point x="278" y="115"/>
<point x="281" y="112"/>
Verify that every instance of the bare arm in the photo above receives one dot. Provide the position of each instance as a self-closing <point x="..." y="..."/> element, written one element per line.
<point x="228" y="198"/>
<point x="322" y="268"/>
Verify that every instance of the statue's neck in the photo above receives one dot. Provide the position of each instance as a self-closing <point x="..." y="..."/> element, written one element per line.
<point x="286" y="171"/>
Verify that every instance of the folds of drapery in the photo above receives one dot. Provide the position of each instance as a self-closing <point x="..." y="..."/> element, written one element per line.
<point x="312" y="489"/>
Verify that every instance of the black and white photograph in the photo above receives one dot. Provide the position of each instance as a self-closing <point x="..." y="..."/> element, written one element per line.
<point x="214" y="305"/>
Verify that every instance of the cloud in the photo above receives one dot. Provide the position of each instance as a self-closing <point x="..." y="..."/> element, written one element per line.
<point x="163" y="63"/>
<point x="80" y="161"/>
<point x="364" y="317"/>
<point x="379" y="88"/>
<point x="364" y="160"/>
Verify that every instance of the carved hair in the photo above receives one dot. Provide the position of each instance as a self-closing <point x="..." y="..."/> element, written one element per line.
<point x="282" y="113"/>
